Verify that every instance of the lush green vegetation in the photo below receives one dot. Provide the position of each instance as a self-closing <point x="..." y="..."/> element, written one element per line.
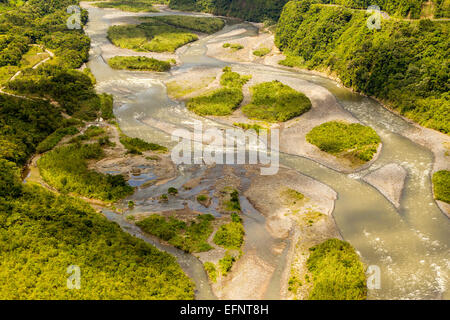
<point x="192" y="237"/>
<point x="137" y="146"/>
<point x="275" y="102"/>
<point x="255" y="10"/>
<point x="230" y="235"/>
<point x="269" y="10"/>
<point x="337" y="272"/>
<point x="23" y="125"/>
<point x="42" y="233"/>
<point x="352" y="140"/>
<point x="223" y="101"/>
<point x="441" y="185"/>
<point x="129" y="5"/>
<point x="233" y="46"/>
<point x="201" y="24"/>
<point x="405" y="63"/>
<point x="226" y="263"/>
<point x="139" y="63"/>
<point x="261" y="52"/>
<point x="52" y="140"/>
<point x="232" y="203"/>
<point x="153" y="35"/>
<point x="73" y="90"/>
<point x="66" y="169"/>
<point x="211" y="271"/>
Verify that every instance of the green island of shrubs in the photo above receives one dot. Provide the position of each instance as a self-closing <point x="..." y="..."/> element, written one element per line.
<point x="441" y="185"/>
<point x="230" y="235"/>
<point x="337" y="273"/>
<point x="154" y="35"/>
<point x="192" y="237"/>
<point x="275" y="102"/>
<point x="350" y="140"/>
<point x="223" y="101"/>
<point x="139" y="63"/>
<point x="127" y="5"/>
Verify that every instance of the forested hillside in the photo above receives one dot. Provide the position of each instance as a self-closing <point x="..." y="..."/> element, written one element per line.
<point x="43" y="233"/>
<point x="405" y="63"/>
<point x="261" y="10"/>
<point x="255" y="10"/>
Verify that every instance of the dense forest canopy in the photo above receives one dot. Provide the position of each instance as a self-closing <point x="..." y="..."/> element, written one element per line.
<point x="41" y="232"/>
<point x="261" y="10"/>
<point x="405" y="63"/>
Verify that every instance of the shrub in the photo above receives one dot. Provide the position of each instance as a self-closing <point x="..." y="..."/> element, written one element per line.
<point x="226" y="263"/>
<point x="337" y="272"/>
<point x="233" y="46"/>
<point x="172" y="191"/>
<point x="230" y="235"/>
<point x="211" y="271"/>
<point x="261" y="52"/>
<point x="66" y="169"/>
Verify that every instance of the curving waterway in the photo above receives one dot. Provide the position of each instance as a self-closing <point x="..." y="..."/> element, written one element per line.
<point x="410" y="244"/>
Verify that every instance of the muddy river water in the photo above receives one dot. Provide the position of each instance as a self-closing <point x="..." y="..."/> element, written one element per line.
<point x="410" y="244"/>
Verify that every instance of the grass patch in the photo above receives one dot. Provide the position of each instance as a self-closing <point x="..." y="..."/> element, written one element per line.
<point x="199" y="24"/>
<point x="223" y="101"/>
<point x="353" y="140"/>
<point x="66" y="169"/>
<point x="275" y="102"/>
<point x="52" y="140"/>
<point x="211" y="271"/>
<point x="233" y="46"/>
<point x="154" y="35"/>
<point x="441" y="185"/>
<point x="127" y="5"/>
<point x="137" y="146"/>
<point x="261" y="52"/>
<point x="190" y="238"/>
<point x="337" y="272"/>
<point x="139" y="63"/>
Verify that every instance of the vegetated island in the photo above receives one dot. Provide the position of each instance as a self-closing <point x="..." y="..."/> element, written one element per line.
<point x="137" y="63"/>
<point x="353" y="141"/>
<point x="163" y="33"/>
